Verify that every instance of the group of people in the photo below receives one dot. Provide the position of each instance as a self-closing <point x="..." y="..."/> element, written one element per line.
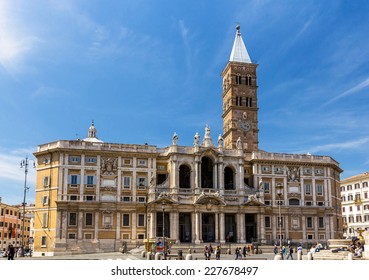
<point x="11" y="252"/>
<point x="357" y="248"/>
<point x="286" y="251"/>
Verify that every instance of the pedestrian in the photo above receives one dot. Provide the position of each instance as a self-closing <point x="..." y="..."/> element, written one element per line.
<point x="237" y="253"/>
<point x="11" y="252"/>
<point x="275" y="249"/>
<point x="207" y="253"/>
<point x="290" y="249"/>
<point x="244" y="251"/>
<point x="217" y="253"/>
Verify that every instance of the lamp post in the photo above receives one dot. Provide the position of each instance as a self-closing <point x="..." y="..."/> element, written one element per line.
<point x="164" y="245"/>
<point x="279" y="188"/>
<point x="24" y="164"/>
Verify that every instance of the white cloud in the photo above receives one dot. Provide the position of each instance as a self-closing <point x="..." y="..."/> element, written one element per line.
<point x="351" y="91"/>
<point x="10" y="166"/>
<point x="15" y="42"/>
<point x="348" y="145"/>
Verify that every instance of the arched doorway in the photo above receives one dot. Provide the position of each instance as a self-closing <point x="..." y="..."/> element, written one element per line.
<point x="228" y="179"/>
<point x="206" y="173"/>
<point x="184" y="177"/>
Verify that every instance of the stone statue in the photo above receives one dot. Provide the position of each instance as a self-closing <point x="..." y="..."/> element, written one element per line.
<point x="152" y="180"/>
<point x="207" y="131"/>
<point x="239" y="143"/>
<point x="220" y="141"/>
<point x="196" y="139"/>
<point x="175" y="138"/>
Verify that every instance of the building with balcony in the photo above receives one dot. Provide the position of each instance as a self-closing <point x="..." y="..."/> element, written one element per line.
<point x="92" y="196"/>
<point x="355" y="204"/>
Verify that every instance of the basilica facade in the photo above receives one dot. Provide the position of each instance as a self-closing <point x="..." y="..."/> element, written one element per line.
<point x="92" y="196"/>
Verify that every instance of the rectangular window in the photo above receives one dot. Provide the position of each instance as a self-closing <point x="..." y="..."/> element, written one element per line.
<point x="307" y="188"/>
<point x="90" y="179"/>
<point x="319" y="189"/>
<point x="88" y="235"/>
<point x="127" y="162"/>
<point x="73" y="197"/>
<point x="358" y="219"/>
<point x="71" y="236"/>
<point x="266" y="187"/>
<point x="46" y="181"/>
<point x="141" y="220"/>
<point x="88" y="219"/>
<point x="350" y="208"/>
<point x="141" y="199"/>
<point x="43" y="241"/>
<point x="310" y="236"/>
<point x="142" y="162"/>
<point x="343" y="209"/>
<point x="365" y="184"/>
<point x="90" y="159"/>
<point x="72" y="219"/>
<point x="140" y="236"/>
<point x="126" y="199"/>
<point x="126" y="182"/>
<point x="74" y="180"/>
<point x="267" y="222"/>
<point x="126" y="220"/>
<point x="321" y="222"/>
<point x="45" y="200"/>
<point x="357" y="186"/>
<point x="309" y="222"/>
<point x="44" y="220"/>
<point x="75" y="159"/>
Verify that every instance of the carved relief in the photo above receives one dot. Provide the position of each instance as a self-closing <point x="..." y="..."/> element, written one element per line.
<point x="293" y="174"/>
<point x="109" y="166"/>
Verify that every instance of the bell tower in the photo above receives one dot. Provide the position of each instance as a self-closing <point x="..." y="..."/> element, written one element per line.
<point x="240" y="110"/>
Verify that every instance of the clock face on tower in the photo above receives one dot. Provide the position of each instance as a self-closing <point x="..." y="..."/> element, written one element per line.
<point x="244" y="125"/>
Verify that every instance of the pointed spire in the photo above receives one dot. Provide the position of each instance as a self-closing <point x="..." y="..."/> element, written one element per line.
<point x="239" y="52"/>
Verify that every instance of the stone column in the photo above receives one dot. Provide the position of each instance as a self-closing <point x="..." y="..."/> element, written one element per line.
<point x="134" y="226"/>
<point x="153" y="224"/>
<point x="242" y="237"/>
<point x="193" y="227"/>
<point x="60" y="178"/>
<point x="302" y="192"/>
<point x="215" y="176"/>
<point x="221" y="227"/>
<point x="197" y="227"/>
<point x="65" y="185"/>
<point x="197" y="175"/>
<point x="261" y="227"/>
<point x="313" y="189"/>
<point x="98" y="180"/>
<point x="316" y="227"/>
<point x="221" y="176"/>
<point x="117" y="230"/>
<point x="82" y="182"/>
<point x="80" y="224"/>
<point x="64" y="225"/>
<point x="96" y="233"/>
<point x="216" y="226"/>
<point x="303" y="224"/>
<point x="134" y="178"/>
<point x="275" y="227"/>
<point x="58" y="224"/>
<point x="326" y="198"/>
<point x="286" y="226"/>
<point x="120" y="185"/>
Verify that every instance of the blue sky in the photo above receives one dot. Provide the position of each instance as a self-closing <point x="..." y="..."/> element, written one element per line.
<point x="143" y="70"/>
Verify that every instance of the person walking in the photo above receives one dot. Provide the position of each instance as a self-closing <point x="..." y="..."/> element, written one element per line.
<point x="290" y="250"/>
<point x="11" y="252"/>
<point x="217" y="253"/>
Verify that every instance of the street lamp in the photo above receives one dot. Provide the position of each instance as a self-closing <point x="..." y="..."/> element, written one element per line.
<point x="279" y="189"/>
<point x="165" y="253"/>
<point x="24" y="164"/>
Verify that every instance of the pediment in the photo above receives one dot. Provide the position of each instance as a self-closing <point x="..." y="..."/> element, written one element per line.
<point x="210" y="198"/>
<point x="253" y="201"/>
<point x="164" y="197"/>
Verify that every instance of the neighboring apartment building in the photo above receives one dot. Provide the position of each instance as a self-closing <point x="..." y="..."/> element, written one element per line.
<point x="11" y="226"/>
<point x="355" y="204"/>
<point x="92" y="196"/>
